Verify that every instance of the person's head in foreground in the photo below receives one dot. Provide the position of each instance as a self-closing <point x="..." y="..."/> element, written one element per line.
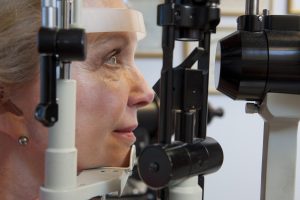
<point x="110" y="89"/>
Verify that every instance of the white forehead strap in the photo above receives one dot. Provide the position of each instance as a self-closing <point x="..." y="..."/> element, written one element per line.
<point x="113" y="20"/>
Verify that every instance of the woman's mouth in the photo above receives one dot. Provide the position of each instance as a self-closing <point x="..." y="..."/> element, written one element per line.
<point x="126" y="134"/>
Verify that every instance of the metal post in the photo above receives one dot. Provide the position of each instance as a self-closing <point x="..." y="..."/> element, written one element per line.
<point x="252" y="7"/>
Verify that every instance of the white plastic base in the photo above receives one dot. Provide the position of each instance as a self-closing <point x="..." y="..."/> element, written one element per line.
<point x="186" y="190"/>
<point x="92" y="183"/>
<point x="281" y="113"/>
<point x="61" y="181"/>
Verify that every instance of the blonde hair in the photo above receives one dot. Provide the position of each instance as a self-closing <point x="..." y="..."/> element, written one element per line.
<point x="20" y="21"/>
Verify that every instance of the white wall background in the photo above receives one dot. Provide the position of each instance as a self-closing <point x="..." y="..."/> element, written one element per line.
<point x="239" y="134"/>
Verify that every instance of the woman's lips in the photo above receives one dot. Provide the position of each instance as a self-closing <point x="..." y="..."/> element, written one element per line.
<point x="125" y="130"/>
<point x="126" y="133"/>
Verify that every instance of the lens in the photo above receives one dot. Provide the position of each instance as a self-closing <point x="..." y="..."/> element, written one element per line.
<point x="217" y="65"/>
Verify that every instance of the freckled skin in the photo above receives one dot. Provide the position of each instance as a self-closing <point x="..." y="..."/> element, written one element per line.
<point x="111" y="101"/>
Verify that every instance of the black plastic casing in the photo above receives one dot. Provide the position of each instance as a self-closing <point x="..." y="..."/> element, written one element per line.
<point x="255" y="62"/>
<point x="159" y="164"/>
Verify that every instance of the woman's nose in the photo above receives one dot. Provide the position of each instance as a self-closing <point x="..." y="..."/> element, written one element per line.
<point x="141" y="93"/>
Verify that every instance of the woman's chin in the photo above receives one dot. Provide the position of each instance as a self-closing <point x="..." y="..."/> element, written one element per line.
<point x="119" y="158"/>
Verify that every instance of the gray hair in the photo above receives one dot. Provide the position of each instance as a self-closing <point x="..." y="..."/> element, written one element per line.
<point x="19" y="24"/>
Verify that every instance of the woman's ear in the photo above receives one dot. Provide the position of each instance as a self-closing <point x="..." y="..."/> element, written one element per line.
<point x="12" y="121"/>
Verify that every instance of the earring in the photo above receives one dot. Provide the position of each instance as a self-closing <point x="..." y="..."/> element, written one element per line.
<point x="23" y="140"/>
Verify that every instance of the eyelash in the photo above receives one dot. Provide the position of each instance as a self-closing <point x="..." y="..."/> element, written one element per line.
<point x="113" y="60"/>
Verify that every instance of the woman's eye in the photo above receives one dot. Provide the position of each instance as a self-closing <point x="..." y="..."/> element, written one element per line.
<point x="112" y="60"/>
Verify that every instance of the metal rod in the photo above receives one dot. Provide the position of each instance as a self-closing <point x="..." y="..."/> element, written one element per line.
<point x="64" y="21"/>
<point x="49" y="13"/>
<point x="64" y="13"/>
<point x="266" y="12"/>
<point x="65" y="70"/>
<point x="165" y="128"/>
<point x="165" y="122"/>
<point x="203" y="64"/>
<point x="252" y="7"/>
<point x="76" y="11"/>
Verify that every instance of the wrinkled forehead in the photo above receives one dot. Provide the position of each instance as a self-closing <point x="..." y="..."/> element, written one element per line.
<point x="124" y="39"/>
<point x="106" y="16"/>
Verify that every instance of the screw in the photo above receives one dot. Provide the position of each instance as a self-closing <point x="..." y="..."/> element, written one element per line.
<point x="154" y="167"/>
<point x="52" y="119"/>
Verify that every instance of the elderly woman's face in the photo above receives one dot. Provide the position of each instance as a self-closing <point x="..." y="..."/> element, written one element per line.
<point x="110" y="90"/>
